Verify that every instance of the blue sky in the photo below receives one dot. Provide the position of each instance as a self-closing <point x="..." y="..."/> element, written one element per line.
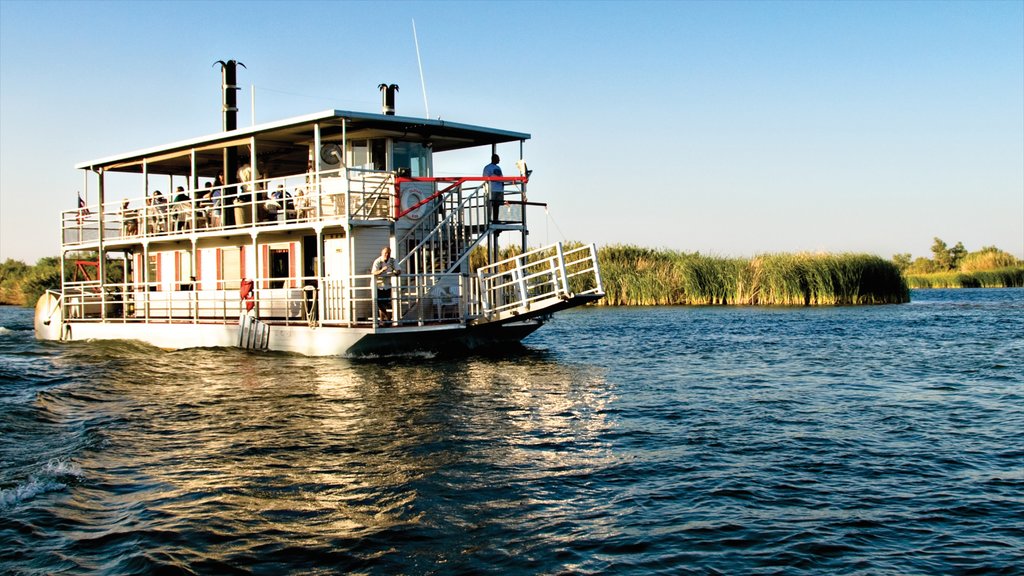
<point x="731" y="128"/>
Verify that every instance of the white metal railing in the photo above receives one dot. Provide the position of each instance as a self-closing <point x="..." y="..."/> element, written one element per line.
<point x="521" y="282"/>
<point x="298" y="198"/>
<point x="415" y="300"/>
<point x="291" y="303"/>
<point x="412" y="299"/>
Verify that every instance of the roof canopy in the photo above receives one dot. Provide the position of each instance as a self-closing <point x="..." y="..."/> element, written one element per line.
<point x="285" y="144"/>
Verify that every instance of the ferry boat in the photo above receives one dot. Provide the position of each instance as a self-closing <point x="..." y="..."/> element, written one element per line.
<point x="264" y="238"/>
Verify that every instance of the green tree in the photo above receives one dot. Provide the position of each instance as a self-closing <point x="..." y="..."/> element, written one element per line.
<point x="940" y="255"/>
<point x="956" y="255"/>
<point x="45" y="276"/>
<point x="902" y="261"/>
<point x="922" y="265"/>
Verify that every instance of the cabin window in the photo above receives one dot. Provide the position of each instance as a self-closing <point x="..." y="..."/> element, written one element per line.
<point x="184" y="272"/>
<point x="154" y="272"/>
<point x="414" y="156"/>
<point x="230" y="268"/>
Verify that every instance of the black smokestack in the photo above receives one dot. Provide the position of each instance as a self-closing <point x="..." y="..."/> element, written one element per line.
<point x="229" y="107"/>
<point x="388" y="95"/>
<point x="229" y="88"/>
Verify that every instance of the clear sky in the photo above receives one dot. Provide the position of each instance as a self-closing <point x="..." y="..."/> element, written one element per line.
<point x="730" y="128"/>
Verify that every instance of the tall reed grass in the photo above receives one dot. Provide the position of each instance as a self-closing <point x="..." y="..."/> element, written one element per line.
<point x="644" y="277"/>
<point x="1001" y="278"/>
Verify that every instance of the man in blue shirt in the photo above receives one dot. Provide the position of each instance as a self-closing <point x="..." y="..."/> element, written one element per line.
<point x="497" y="188"/>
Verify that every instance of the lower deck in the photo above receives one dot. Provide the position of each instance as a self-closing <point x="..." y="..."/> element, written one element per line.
<point x="310" y="340"/>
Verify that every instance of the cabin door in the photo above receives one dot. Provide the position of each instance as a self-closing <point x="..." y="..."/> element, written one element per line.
<point x="336" y="275"/>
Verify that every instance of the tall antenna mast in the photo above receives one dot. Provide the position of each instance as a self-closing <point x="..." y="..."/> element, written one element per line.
<point x="423" y="83"/>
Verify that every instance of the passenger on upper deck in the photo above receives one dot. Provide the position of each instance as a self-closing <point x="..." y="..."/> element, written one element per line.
<point x="497" y="188"/>
<point x="203" y="205"/>
<point x="215" y="196"/>
<point x="156" y="213"/>
<point x="182" y="209"/>
<point x="129" y="220"/>
<point x="279" y="203"/>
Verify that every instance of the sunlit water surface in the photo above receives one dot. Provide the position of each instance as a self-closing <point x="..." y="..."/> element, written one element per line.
<point x="879" y="440"/>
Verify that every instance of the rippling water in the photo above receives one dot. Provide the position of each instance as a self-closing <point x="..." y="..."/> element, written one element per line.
<point x="882" y="440"/>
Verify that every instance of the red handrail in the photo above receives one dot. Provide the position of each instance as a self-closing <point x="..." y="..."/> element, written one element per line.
<point x="456" y="181"/>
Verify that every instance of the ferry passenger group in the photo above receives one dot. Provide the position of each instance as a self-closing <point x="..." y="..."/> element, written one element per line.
<point x="162" y="216"/>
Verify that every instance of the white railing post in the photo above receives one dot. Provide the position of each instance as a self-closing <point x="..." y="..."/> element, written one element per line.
<point x="484" y="300"/>
<point x="561" y="269"/>
<point x="597" y="269"/>
<point x="517" y="275"/>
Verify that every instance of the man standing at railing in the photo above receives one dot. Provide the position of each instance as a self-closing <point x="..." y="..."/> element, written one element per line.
<point x="381" y="269"/>
<point x="497" y="187"/>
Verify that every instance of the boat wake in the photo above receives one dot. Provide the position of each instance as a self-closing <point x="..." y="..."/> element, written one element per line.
<point x="54" y="476"/>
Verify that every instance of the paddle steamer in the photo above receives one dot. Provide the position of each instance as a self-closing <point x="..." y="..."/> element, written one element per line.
<point x="264" y="238"/>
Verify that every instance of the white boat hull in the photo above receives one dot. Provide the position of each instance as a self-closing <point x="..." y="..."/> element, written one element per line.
<point x="316" y="341"/>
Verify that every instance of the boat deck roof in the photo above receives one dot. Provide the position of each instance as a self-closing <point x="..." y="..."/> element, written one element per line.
<point x="292" y="133"/>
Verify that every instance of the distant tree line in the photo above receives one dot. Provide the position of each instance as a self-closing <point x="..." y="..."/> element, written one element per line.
<point x="957" y="268"/>
<point x="22" y="284"/>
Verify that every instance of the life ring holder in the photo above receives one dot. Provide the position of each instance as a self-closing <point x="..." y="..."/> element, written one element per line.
<point x="412" y="197"/>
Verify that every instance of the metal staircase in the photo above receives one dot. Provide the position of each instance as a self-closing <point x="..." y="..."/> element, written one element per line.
<point x="533" y="284"/>
<point x="451" y="226"/>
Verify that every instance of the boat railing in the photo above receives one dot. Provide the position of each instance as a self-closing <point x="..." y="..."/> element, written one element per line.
<point x="417" y="299"/>
<point x="331" y="195"/>
<point x="464" y="215"/>
<point x="284" y="301"/>
<point x="413" y="300"/>
<point x="525" y="281"/>
<point x="370" y="193"/>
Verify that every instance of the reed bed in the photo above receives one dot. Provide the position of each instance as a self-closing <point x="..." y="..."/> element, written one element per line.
<point x="1001" y="278"/>
<point x="635" y="276"/>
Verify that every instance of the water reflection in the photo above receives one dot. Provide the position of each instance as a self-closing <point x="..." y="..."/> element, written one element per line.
<point x="228" y="449"/>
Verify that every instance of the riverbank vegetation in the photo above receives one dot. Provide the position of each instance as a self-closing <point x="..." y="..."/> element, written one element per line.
<point x="955" y="267"/>
<point x="22" y="284"/>
<point x="643" y="276"/>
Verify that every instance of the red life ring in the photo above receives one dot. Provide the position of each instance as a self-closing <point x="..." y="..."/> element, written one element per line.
<point x="245" y="292"/>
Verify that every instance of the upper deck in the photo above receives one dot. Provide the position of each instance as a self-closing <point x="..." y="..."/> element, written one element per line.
<point x="329" y="168"/>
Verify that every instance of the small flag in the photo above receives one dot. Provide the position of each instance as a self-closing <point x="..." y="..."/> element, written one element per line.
<point x="83" y="211"/>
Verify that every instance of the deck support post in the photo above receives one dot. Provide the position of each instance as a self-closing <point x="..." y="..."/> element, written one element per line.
<point x="101" y="256"/>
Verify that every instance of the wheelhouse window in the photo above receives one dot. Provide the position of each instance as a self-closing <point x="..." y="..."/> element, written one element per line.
<point x="369" y="154"/>
<point x="414" y="156"/>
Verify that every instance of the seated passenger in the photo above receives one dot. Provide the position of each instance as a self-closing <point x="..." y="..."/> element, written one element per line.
<point x="302" y="204"/>
<point x="182" y="210"/>
<point x="156" y="213"/>
<point x="129" y="220"/>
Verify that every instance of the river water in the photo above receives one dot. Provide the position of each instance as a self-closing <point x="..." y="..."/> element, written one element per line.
<point x="860" y="440"/>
